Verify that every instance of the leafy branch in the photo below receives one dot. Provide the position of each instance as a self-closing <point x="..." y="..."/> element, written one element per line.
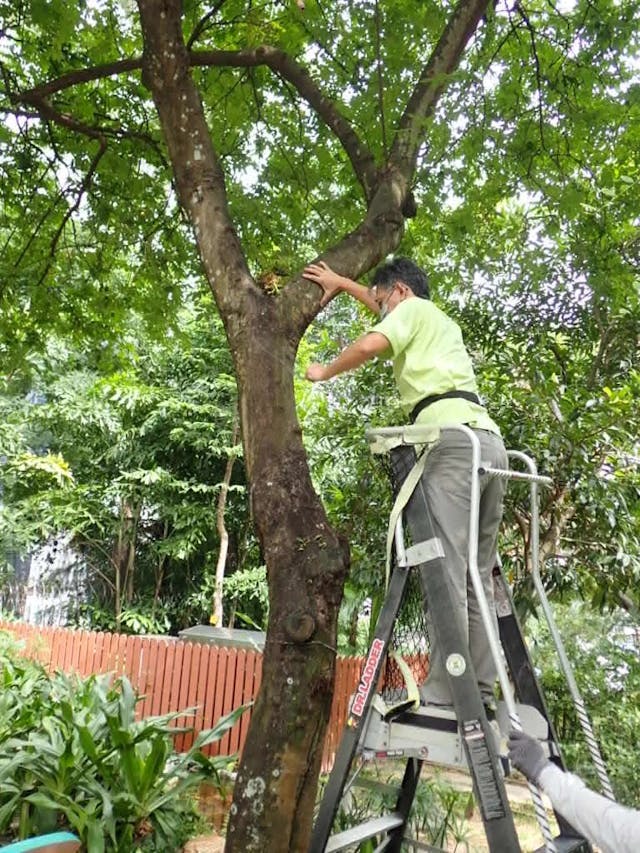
<point x="84" y="187"/>
<point x="204" y="23"/>
<point x="281" y="63"/>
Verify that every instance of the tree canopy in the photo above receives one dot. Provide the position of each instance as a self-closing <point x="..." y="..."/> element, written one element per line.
<point x="146" y="149"/>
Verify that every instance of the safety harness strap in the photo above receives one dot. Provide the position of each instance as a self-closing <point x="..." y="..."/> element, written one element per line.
<point x="447" y="395"/>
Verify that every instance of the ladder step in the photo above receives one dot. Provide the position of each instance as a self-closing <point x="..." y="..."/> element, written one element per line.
<point x="568" y="844"/>
<point x="373" y="827"/>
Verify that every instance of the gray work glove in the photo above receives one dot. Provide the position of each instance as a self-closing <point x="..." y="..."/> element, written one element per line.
<point x="526" y="753"/>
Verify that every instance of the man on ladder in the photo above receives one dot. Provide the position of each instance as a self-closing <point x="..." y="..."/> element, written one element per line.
<point x="451" y="501"/>
<point x="437" y="386"/>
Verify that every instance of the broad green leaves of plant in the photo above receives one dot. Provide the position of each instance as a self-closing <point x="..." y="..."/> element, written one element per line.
<point x="73" y="753"/>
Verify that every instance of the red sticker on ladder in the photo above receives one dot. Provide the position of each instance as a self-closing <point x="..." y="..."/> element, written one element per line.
<point x="366" y="679"/>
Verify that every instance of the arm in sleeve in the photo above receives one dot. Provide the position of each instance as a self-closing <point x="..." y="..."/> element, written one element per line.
<point x="612" y="827"/>
<point x="365" y="348"/>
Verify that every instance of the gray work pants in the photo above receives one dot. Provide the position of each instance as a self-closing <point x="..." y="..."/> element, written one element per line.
<point x="447" y="484"/>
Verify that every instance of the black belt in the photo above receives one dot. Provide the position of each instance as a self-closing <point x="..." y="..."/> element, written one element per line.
<point x="434" y="398"/>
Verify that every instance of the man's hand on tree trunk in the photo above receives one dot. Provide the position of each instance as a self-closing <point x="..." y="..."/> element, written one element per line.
<point x="330" y="282"/>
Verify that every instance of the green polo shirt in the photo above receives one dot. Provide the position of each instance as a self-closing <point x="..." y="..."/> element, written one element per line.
<point x="429" y="357"/>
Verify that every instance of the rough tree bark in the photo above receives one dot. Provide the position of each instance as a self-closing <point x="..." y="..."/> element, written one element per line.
<point x="123" y="558"/>
<point x="306" y="562"/>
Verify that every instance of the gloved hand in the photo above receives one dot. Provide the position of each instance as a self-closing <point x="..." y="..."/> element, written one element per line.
<point x="526" y="753"/>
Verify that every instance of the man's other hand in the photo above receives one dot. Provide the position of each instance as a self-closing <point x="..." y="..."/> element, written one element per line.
<point x="315" y="373"/>
<point x="526" y="753"/>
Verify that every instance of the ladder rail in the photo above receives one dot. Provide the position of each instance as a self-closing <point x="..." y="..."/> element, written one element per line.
<point x="488" y="622"/>
<point x="565" y="664"/>
<point x="477" y="737"/>
<point x="521" y="668"/>
<point x="359" y="709"/>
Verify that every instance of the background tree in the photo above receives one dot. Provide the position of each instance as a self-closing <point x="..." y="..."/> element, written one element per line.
<point x="131" y="463"/>
<point x="284" y="128"/>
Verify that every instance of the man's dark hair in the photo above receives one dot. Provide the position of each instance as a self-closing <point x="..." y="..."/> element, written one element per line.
<point x="404" y="270"/>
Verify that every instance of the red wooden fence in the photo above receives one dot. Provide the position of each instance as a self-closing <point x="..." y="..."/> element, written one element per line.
<point x="171" y="675"/>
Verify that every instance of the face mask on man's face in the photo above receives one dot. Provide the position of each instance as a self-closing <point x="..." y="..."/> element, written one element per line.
<point x="384" y="308"/>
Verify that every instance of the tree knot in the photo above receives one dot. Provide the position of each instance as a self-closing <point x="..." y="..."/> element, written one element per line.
<point x="300" y="626"/>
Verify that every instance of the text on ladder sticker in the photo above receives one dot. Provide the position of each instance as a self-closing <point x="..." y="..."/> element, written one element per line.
<point x="366" y="679"/>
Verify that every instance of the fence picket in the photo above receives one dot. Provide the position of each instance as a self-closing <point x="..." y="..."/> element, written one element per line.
<point x="194" y="697"/>
<point x="174" y="677"/>
<point x="95" y="657"/>
<point x="158" y="675"/>
<point x="56" y="650"/>
<point x="84" y="645"/>
<point x="226" y="747"/>
<point x="219" y="706"/>
<point x="169" y="664"/>
<point x="182" y="695"/>
<point x="249" y="692"/>
<point x="211" y="674"/>
<point x="76" y="648"/>
<point x="147" y="661"/>
<point x="66" y="664"/>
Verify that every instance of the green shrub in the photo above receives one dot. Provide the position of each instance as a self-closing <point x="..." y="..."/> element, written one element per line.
<point x="73" y="755"/>
<point x="603" y="650"/>
<point x="246" y="597"/>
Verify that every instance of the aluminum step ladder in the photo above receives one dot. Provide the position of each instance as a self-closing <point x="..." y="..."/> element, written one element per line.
<point x="462" y="736"/>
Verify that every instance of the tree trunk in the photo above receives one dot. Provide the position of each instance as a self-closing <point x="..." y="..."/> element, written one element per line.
<point x="123" y="558"/>
<point x="306" y="566"/>
<point x="119" y="562"/>
<point x="131" y="518"/>
<point x="159" y="573"/>
<point x="306" y="563"/>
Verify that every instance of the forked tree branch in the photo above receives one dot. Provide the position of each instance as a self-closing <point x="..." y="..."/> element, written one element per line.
<point x="410" y="133"/>
<point x="80" y="75"/>
<point x="204" y="23"/>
